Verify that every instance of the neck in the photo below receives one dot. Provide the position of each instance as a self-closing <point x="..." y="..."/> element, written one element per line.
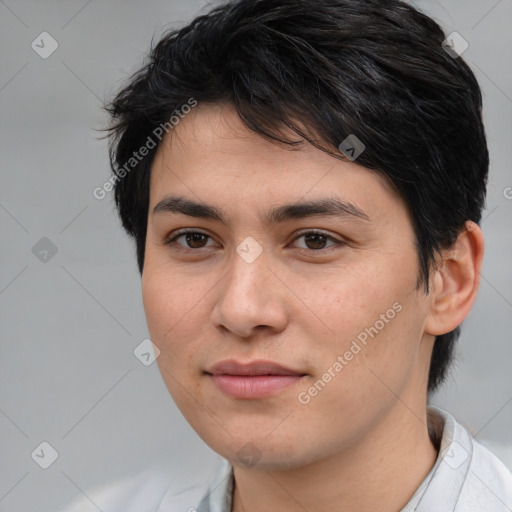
<point x="381" y="472"/>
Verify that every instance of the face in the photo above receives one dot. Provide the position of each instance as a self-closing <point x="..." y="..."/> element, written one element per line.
<point x="256" y="253"/>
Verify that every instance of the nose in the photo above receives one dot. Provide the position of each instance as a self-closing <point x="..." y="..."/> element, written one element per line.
<point x="250" y="299"/>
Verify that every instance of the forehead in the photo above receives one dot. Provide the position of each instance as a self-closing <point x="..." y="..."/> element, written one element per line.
<point x="212" y="154"/>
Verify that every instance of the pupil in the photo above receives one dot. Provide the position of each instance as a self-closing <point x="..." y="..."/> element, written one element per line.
<point x="318" y="241"/>
<point x="195" y="238"/>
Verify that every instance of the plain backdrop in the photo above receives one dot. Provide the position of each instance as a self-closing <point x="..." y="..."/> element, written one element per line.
<point x="72" y="316"/>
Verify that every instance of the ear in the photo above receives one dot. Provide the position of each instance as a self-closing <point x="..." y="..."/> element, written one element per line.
<point x="456" y="280"/>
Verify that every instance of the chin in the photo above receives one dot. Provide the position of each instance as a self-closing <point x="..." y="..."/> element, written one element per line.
<point x="261" y="454"/>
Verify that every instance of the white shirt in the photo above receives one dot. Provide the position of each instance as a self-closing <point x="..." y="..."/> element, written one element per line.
<point x="466" y="477"/>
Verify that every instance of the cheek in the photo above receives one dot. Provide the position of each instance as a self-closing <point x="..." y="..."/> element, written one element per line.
<point x="170" y="317"/>
<point x="344" y="302"/>
<point x="169" y="298"/>
<point x="374" y="319"/>
<point x="169" y="309"/>
<point x="159" y="304"/>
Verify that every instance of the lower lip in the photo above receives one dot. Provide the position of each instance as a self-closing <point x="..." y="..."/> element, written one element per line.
<point x="253" y="386"/>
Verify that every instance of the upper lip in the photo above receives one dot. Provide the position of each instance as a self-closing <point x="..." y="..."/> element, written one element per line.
<point x="232" y="367"/>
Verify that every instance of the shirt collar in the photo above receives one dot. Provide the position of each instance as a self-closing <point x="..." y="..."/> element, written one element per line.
<point x="450" y="469"/>
<point x="219" y="496"/>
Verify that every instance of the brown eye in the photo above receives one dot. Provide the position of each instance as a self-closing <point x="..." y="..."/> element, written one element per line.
<point x="196" y="240"/>
<point x="189" y="240"/>
<point x="315" y="241"/>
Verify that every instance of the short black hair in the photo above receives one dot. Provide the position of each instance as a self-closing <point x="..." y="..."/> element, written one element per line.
<point x="326" y="69"/>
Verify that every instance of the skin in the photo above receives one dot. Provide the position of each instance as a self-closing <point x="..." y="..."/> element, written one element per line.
<point x="361" y="443"/>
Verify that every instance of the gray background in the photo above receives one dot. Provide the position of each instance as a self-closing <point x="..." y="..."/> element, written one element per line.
<point x="69" y="325"/>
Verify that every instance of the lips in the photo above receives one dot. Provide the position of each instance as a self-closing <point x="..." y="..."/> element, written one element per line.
<point x="255" y="380"/>
<point x="232" y="367"/>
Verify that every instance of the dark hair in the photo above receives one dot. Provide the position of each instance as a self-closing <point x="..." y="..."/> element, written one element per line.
<point x="326" y="69"/>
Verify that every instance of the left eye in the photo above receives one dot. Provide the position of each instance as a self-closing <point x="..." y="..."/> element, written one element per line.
<point x="317" y="241"/>
<point x="193" y="239"/>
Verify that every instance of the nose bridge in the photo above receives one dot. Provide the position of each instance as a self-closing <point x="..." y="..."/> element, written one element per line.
<point x="246" y="297"/>
<point x="245" y="282"/>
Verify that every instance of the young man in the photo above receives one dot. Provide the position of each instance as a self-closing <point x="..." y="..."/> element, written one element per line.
<point x="304" y="181"/>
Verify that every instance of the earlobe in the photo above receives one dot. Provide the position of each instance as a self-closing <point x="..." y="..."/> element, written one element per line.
<point x="456" y="281"/>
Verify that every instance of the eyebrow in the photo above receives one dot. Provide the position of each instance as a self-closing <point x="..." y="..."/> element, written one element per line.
<point x="331" y="206"/>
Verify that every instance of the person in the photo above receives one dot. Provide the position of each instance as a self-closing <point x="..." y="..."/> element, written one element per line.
<point x="304" y="182"/>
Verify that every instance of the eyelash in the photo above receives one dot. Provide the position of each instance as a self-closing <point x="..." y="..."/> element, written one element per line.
<point x="176" y="236"/>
